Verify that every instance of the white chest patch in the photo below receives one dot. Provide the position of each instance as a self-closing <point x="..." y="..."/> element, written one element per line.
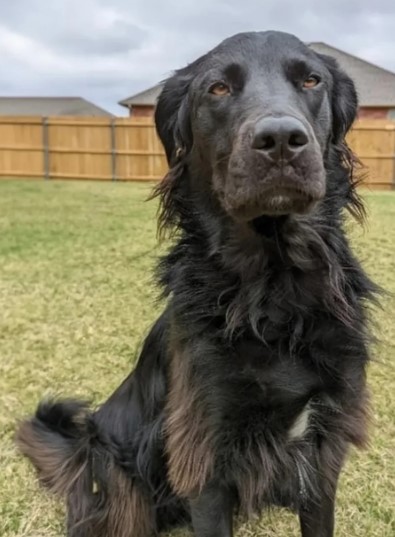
<point x="301" y="424"/>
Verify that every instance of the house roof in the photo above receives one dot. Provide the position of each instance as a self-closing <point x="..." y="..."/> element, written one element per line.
<point x="375" y="85"/>
<point x="49" y="106"/>
<point x="147" y="97"/>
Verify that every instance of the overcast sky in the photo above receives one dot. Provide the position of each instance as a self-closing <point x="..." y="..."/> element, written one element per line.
<point x="108" y="50"/>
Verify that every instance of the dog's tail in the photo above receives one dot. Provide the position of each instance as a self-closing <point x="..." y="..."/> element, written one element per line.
<point x="57" y="440"/>
<point x="62" y="441"/>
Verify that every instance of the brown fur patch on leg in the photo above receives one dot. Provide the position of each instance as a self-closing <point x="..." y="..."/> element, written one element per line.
<point x="188" y="444"/>
<point x="130" y="512"/>
<point x="121" y="510"/>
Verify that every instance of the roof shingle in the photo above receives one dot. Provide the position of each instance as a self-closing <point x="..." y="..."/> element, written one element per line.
<point x="49" y="106"/>
<point x="147" y="97"/>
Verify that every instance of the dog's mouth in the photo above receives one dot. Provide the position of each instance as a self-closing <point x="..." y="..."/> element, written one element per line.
<point x="274" y="202"/>
<point x="285" y="200"/>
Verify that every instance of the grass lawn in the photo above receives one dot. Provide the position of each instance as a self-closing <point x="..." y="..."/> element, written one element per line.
<point x="76" y="298"/>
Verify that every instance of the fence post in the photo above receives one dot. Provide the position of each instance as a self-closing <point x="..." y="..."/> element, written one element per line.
<point x="46" y="148"/>
<point x="113" y="151"/>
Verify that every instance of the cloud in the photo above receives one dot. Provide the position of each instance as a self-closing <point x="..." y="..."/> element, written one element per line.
<point x="105" y="53"/>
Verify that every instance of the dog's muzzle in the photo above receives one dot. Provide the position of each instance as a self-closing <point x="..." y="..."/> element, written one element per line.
<point x="276" y="168"/>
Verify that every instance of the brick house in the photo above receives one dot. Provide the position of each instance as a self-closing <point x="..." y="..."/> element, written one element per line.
<point x="375" y="85"/>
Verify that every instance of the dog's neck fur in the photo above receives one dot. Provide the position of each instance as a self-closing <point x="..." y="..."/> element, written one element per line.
<point x="220" y="272"/>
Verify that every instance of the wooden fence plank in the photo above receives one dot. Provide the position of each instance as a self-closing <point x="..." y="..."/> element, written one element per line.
<point x="22" y="147"/>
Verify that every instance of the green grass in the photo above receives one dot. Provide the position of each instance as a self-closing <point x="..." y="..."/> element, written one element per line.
<point x="76" y="298"/>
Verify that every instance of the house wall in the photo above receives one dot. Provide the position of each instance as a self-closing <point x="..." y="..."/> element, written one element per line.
<point x="376" y="112"/>
<point x="141" y="111"/>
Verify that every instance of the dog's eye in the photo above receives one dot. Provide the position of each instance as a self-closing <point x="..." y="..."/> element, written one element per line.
<point x="220" y="89"/>
<point x="311" y="82"/>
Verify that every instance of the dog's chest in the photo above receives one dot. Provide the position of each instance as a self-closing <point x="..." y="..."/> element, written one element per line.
<point x="269" y="394"/>
<point x="270" y="409"/>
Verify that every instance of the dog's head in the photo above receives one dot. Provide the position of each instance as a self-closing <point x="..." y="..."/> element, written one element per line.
<point x="253" y="122"/>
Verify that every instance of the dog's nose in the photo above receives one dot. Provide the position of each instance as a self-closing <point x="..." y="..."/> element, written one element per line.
<point x="280" y="137"/>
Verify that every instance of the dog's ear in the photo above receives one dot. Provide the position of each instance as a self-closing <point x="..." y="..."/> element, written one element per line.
<point x="344" y="113"/>
<point x="172" y="120"/>
<point x="344" y="100"/>
<point x="172" y="116"/>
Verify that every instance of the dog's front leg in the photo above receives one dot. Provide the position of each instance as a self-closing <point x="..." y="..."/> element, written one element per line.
<point x="212" y="512"/>
<point x="318" y="518"/>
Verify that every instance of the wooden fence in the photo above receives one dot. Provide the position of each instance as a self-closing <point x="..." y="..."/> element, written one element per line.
<point x="80" y="148"/>
<point x="373" y="141"/>
<point x="128" y="149"/>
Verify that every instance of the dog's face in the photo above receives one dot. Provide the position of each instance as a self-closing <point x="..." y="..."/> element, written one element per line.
<point x="254" y="119"/>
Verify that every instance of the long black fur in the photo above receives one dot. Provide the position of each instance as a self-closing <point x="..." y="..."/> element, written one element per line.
<point x="258" y="324"/>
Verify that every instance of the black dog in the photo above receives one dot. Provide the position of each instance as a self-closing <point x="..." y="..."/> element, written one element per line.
<point x="251" y="385"/>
